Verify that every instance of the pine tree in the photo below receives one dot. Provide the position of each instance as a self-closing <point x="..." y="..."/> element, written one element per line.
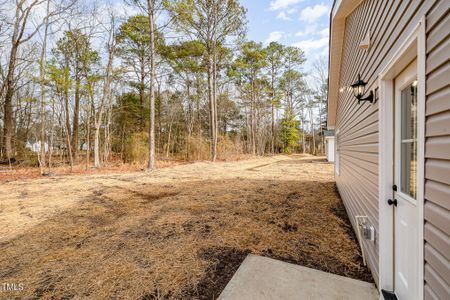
<point x="289" y="132"/>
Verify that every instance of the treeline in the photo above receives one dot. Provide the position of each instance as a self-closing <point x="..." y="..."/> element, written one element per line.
<point x="81" y="84"/>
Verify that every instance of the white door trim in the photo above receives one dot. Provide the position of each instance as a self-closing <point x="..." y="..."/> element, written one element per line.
<point x="413" y="47"/>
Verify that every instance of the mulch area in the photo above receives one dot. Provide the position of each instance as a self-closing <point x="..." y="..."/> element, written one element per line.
<point x="182" y="240"/>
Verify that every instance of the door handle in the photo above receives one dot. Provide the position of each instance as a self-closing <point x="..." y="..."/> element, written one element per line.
<point x="390" y="202"/>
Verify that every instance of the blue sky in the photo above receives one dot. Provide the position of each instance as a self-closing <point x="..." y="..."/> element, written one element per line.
<point x="302" y="23"/>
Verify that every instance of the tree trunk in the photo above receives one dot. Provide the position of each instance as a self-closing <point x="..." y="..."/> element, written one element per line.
<point x="7" y="108"/>
<point x="272" y="137"/>
<point x="97" y="145"/>
<point x="107" y="142"/>
<point x="142" y="91"/>
<point x="88" y="136"/>
<point x="151" y="135"/>
<point x="66" y="98"/>
<point x="303" y="134"/>
<point x="106" y="96"/>
<point x="76" y="114"/>
<point x="69" y="145"/>
<point x="322" y="146"/>
<point x="22" y="13"/>
<point x="122" y="142"/>
<point x="212" y="108"/>
<point x="252" y="118"/>
<point x="50" y="146"/>
<point x="168" y="140"/>
<point x="313" y="152"/>
<point x="249" y="128"/>
<point x="189" y="119"/>
<point x="41" y="81"/>
<point x="9" y="91"/>
<point x="216" y="111"/>
<point x="159" y="147"/>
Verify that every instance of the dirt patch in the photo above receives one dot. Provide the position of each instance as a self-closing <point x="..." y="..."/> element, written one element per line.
<point x="223" y="263"/>
<point x="177" y="233"/>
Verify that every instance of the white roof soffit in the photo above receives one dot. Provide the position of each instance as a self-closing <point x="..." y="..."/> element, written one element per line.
<point x="341" y="9"/>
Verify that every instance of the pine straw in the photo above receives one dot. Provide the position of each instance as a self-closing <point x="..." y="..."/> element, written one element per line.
<point x="183" y="233"/>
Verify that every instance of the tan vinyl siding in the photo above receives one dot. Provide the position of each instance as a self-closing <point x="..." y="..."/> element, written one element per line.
<point x="389" y="22"/>
<point x="437" y="154"/>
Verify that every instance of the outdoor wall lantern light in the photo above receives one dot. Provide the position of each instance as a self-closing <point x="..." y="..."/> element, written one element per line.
<point x="359" y="89"/>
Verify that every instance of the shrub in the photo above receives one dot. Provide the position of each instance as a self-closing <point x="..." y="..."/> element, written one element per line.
<point x="136" y="147"/>
<point x="229" y="147"/>
<point x="198" y="148"/>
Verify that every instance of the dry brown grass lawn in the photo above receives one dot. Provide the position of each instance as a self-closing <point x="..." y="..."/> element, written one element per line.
<point x="179" y="232"/>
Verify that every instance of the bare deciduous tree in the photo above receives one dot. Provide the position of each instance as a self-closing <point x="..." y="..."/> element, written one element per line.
<point x="21" y="33"/>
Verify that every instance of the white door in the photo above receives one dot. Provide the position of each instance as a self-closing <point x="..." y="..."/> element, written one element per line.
<point x="406" y="245"/>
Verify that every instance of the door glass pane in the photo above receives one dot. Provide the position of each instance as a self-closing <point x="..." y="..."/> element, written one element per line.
<point x="408" y="175"/>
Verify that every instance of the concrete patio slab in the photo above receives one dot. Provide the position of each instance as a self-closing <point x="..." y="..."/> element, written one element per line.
<point x="262" y="278"/>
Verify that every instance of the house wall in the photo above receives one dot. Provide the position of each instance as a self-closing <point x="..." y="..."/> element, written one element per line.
<point x="388" y="22"/>
<point x="437" y="154"/>
<point x="329" y="144"/>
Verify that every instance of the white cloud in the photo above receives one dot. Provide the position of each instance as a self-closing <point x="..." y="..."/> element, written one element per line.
<point x="312" y="44"/>
<point x="325" y="32"/>
<point x="275" y="36"/>
<point x="282" y="4"/>
<point x="310" y="29"/>
<point x="283" y="16"/>
<point x="311" y="14"/>
<point x="292" y="10"/>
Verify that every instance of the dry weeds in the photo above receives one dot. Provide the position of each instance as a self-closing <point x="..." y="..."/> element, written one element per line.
<point x="179" y="232"/>
<point x="18" y="172"/>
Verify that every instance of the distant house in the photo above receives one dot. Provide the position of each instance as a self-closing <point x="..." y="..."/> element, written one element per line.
<point x="329" y="145"/>
<point x="389" y="104"/>
<point x="36" y="146"/>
